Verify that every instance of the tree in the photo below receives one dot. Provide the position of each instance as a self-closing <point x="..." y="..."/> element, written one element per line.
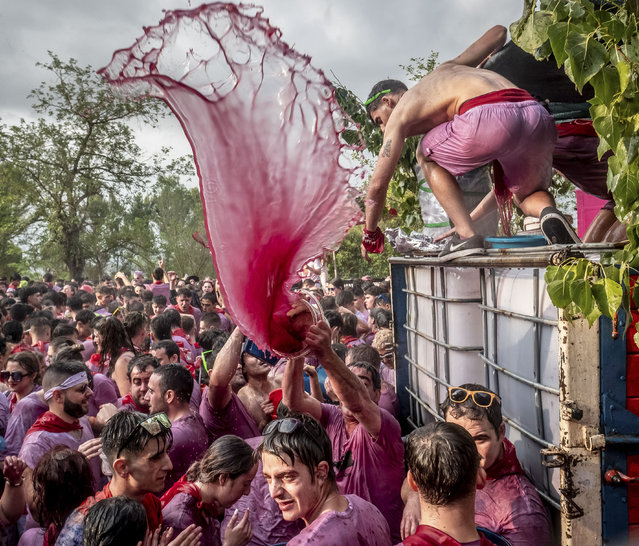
<point x="75" y="165"/>
<point x="597" y="43"/>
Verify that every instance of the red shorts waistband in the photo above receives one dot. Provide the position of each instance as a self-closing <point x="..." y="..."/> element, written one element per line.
<point x="581" y="127"/>
<point x="503" y="95"/>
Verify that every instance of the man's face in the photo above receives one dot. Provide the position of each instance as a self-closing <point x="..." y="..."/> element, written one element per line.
<point x="138" y="279"/>
<point x="35" y="299"/>
<point x="153" y="397"/>
<point x="161" y="355"/>
<point x="148" y="469"/>
<point x="183" y="303"/>
<point x="207" y="306"/>
<point x="291" y="487"/>
<point x="366" y="379"/>
<point x="84" y="330"/>
<point x="488" y="442"/>
<point x="103" y="299"/>
<point x="254" y="366"/>
<point x="157" y="308"/>
<point x="76" y="400"/>
<point x="381" y="114"/>
<point x="369" y="301"/>
<point x="140" y="385"/>
<point x="68" y="290"/>
<point x="359" y="303"/>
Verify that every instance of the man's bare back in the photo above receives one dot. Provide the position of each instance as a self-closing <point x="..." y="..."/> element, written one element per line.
<point x="439" y="95"/>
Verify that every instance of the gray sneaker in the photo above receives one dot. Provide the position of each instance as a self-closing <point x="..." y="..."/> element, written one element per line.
<point x="556" y="228"/>
<point x="456" y="247"/>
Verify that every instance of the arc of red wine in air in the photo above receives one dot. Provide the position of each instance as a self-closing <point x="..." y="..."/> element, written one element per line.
<point x="264" y="127"/>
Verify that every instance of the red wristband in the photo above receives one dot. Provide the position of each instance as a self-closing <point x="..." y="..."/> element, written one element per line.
<point x="373" y="241"/>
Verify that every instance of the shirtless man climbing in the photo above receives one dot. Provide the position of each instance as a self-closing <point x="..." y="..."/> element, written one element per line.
<point x="469" y="117"/>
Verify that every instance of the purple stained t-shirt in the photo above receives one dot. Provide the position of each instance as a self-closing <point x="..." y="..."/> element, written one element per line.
<point x="105" y="391"/>
<point x="38" y="443"/>
<point x="361" y="524"/>
<point x="510" y="506"/>
<point x="4" y="413"/>
<point x="189" y="444"/>
<point x="372" y="468"/>
<point x="233" y="419"/>
<point x="267" y="523"/>
<point x="179" y="513"/>
<point x="21" y="419"/>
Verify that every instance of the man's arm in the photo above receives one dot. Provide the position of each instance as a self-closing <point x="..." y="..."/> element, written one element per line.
<point x="492" y="41"/>
<point x="224" y="369"/>
<point x="389" y="155"/>
<point x="347" y="386"/>
<point x="293" y="395"/>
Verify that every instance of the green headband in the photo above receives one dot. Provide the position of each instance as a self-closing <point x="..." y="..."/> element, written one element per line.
<point x="376" y="96"/>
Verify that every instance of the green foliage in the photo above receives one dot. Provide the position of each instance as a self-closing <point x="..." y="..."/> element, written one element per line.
<point x="350" y="264"/>
<point x="76" y="178"/>
<point x="596" y="45"/>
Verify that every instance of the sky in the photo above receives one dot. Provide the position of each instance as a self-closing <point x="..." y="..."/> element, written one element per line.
<point x="357" y="41"/>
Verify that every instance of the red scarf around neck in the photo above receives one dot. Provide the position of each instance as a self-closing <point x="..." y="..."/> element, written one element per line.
<point x="203" y="510"/>
<point x="507" y="465"/>
<point x="128" y="399"/>
<point x="50" y="422"/>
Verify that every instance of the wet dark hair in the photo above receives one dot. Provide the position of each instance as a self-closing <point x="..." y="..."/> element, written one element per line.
<point x="184" y="291"/>
<point x="349" y="326"/>
<point x="161" y="326"/>
<point x="29" y="362"/>
<point x="142" y="362"/>
<point x="169" y="346"/>
<point x="158" y="274"/>
<point x="174" y="317"/>
<point x="212" y="340"/>
<point x="373" y="290"/>
<point x="211" y="320"/>
<point x="308" y="443"/>
<point x="12" y="331"/>
<point x="134" y="321"/>
<point x="176" y="378"/>
<point x="334" y="319"/>
<point x="344" y="298"/>
<point x="117" y="521"/>
<point x="27" y="291"/>
<point x="188" y="323"/>
<point x="124" y="424"/>
<point x="328" y="303"/>
<point x="382" y="317"/>
<point x="472" y="411"/>
<point x="60" y="469"/>
<point x="159" y="299"/>
<point x="227" y="455"/>
<point x="443" y="459"/>
<point x="337" y="283"/>
<point x="114" y="340"/>
<point x="85" y="316"/>
<point x="365" y="353"/>
<point x="69" y="351"/>
<point x="340" y="350"/>
<point x="64" y="330"/>
<point x="210" y="296"/>
<point x="393" y="85"/>
<point x="74" y="303"/>
<point x="375" y="377"/>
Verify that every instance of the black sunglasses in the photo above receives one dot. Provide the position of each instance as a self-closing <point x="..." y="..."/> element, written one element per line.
<point x="16" y="376"/>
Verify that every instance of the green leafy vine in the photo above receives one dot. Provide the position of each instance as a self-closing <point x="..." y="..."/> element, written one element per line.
<point x="597" y="43"/>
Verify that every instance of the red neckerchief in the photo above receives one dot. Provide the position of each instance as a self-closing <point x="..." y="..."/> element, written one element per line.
<point x="203" y="512"/>
<point x="128" y="399"/>
<point x="39" y="347"/>
<point x="431" y="536"/>
<point x="51" y="535"/>
<point x="52" y="423"/>
<point x="158" y="282"/>
<point x="507" y="465"/>
<point x="13" y="400"/>
<point x="21" y="347"/>
<point x="348" y="339"/>
<point x="179" y="332"/>
<point x="151" y="504"/>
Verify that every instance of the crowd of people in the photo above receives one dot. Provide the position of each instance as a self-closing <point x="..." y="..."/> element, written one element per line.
<point x="141" y="415"/>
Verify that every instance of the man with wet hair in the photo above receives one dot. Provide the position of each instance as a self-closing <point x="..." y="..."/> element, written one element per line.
<point x="366" y="439"/>
<point x="139" y="372"/>
<point x="135" y="448"/>
<point x="509" y="503"/>
<point x="169" y="391"/>
<point x="443" y="468"/>
<point x="469" y="117"/>
<point x="297" y="462"/>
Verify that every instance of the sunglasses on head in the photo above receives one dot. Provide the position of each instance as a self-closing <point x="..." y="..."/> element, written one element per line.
<point x="16" y="376"/>
<point x="285" y="426"/>
<point x="483" y="399"/>
<point x="154" y="425"/>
